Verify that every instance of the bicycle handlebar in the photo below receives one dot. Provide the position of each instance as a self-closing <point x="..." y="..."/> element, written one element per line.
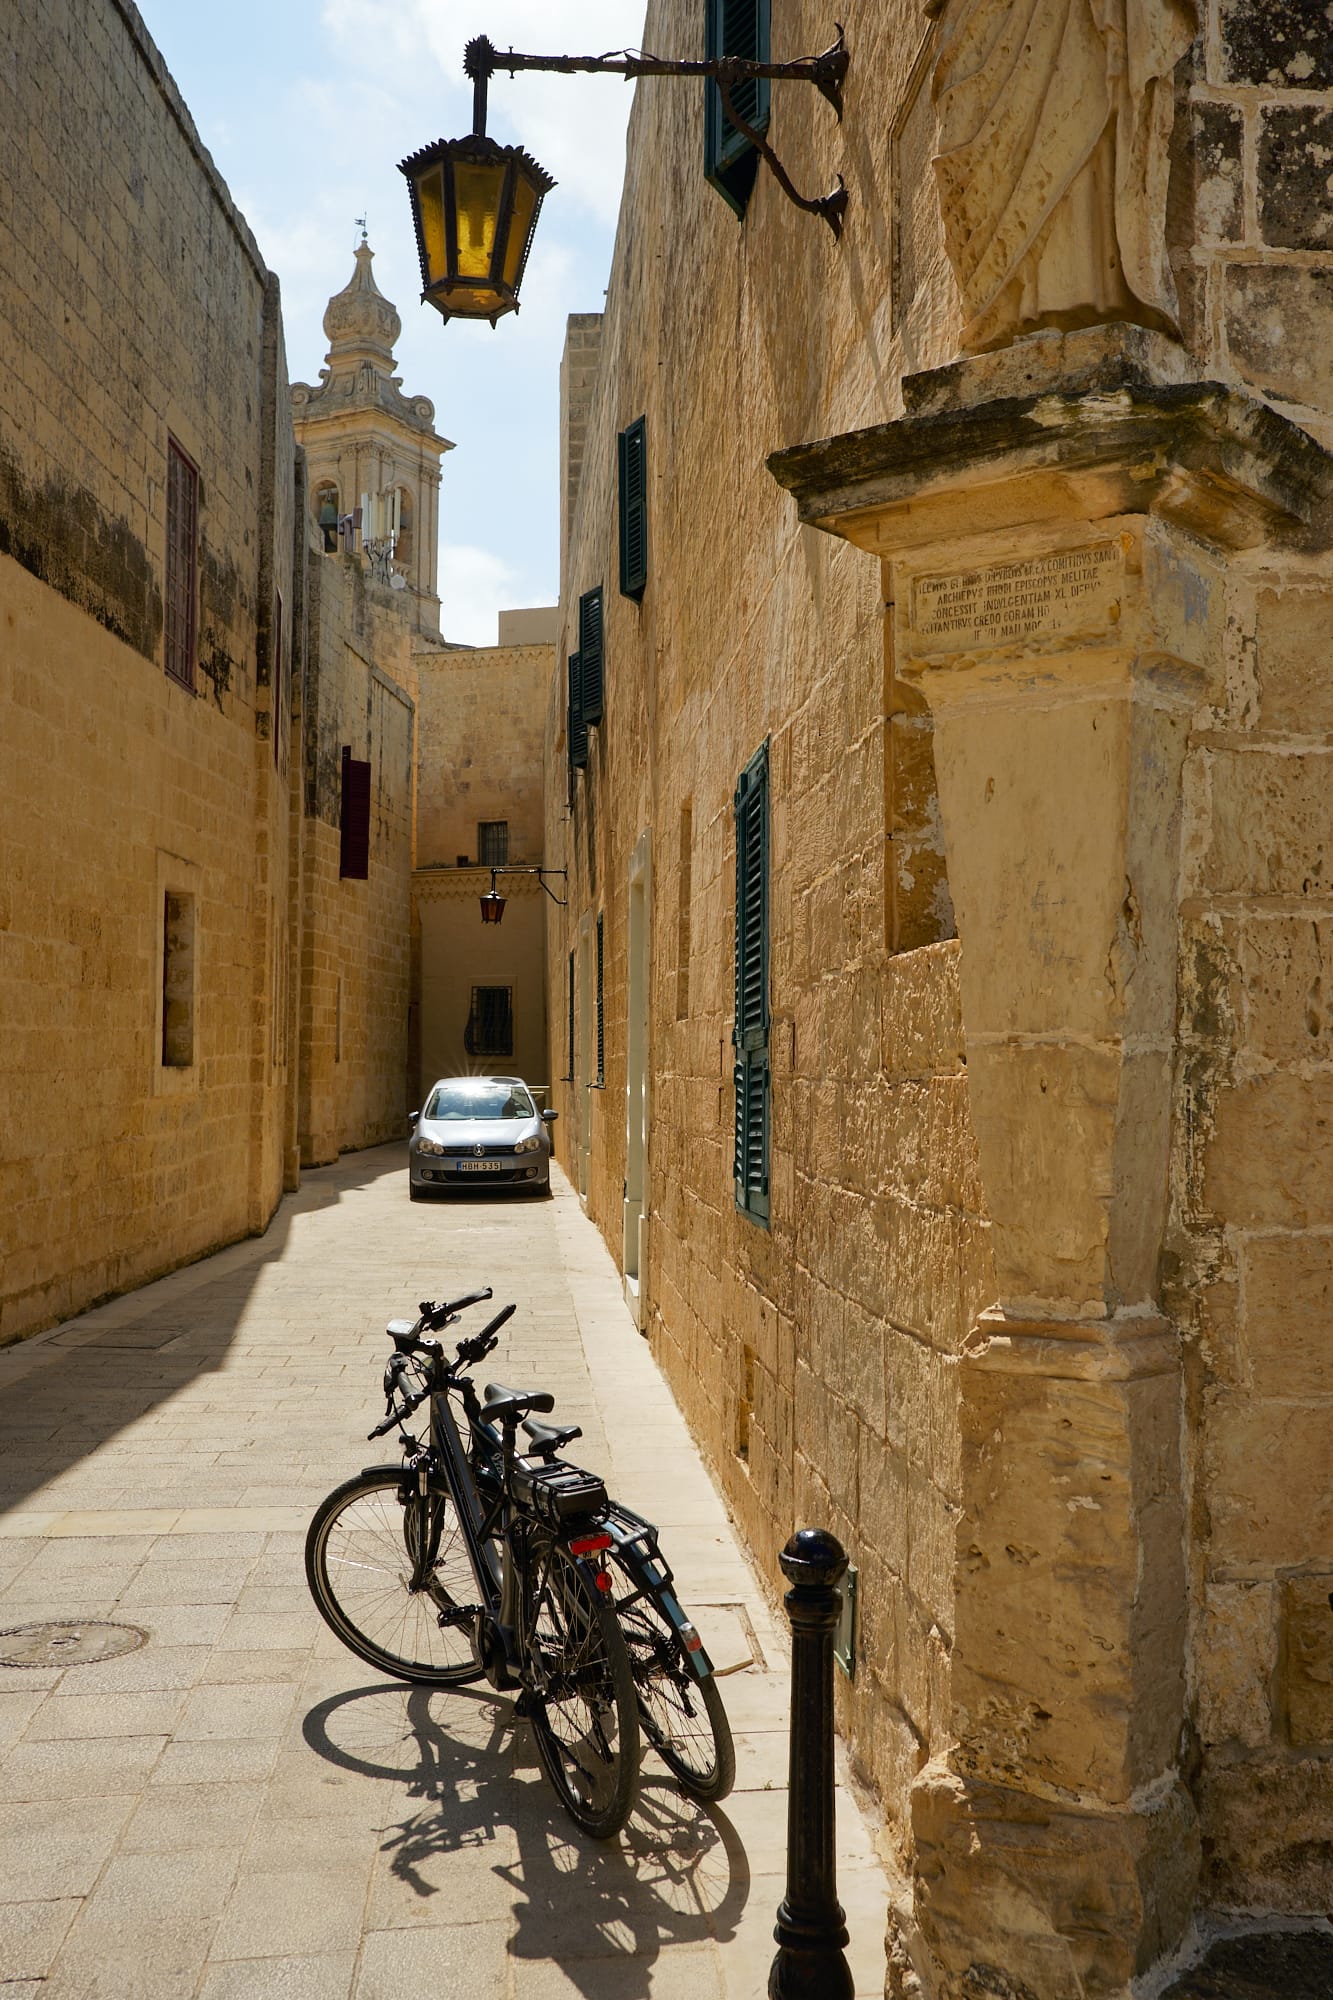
<point x="469" y="1352"/>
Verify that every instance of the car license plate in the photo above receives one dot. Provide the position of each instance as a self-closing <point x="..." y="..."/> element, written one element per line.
<point x="481" y="1166"/>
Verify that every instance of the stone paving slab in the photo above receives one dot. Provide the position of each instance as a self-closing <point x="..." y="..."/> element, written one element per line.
<point x="240" y="1808"/>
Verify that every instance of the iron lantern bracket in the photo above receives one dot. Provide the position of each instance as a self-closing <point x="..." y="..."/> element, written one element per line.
<point x="541" y="874"/>
<point x="481" y="59"/>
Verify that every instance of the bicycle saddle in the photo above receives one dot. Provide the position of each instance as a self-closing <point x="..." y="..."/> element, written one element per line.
<point x="499" y="1402"/>
<point x="547" y="1439"/>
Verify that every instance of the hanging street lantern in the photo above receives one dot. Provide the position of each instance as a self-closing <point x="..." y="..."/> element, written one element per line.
<point x="475" y="203"/>
<point x="492" y="905"/>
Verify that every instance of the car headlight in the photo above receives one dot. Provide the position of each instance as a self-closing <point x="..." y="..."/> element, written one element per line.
<point x="528" y="1145"/>
<point x="431" y="1146"/>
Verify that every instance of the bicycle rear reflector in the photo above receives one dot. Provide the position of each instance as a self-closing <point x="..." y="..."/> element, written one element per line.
<point x="589" y="1545"/>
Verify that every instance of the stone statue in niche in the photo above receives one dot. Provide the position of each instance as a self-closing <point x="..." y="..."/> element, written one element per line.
<point x="1054" y="123"/>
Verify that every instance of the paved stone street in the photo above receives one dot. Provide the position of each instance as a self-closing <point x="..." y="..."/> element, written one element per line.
<point x="240" y="1808"/>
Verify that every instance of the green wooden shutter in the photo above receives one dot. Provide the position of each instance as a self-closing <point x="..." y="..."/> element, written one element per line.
<point x="633" y="447"/>
<point x="590" y="655"/>
<point x="750" y="1033"/>
<point x="601" y="1016"/>
<point x="577" y="726"/>
<point x="735" y="28"/>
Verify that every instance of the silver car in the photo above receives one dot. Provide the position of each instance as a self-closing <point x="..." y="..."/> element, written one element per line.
<point x="479" y="1131"/>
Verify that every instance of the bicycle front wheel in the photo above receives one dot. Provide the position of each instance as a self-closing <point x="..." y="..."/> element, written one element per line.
<point x="361" y="1562"/>
<point x="580" y="1693"/>
<point x="683" y="1717"/>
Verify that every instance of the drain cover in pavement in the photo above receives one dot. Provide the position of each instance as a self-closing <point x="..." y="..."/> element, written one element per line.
<point x="67" y="1643"/>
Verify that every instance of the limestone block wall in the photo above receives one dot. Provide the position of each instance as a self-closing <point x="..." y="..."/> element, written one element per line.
<point x="122" y="787"/>
<point x="355" y="935"/>
<point x="815" y="1358"/>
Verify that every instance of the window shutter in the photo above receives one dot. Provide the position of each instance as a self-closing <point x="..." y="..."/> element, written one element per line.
<point x="590" y="653"/>
<point x="578" y="727"/>
<point x="354" y="858"/>
<point x="735" y="28"/>
<point x="633" y="443"/>
<point x="601" y="1016"/>
<point x="750" y="1033"/>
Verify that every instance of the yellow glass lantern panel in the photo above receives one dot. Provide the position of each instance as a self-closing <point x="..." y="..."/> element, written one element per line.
<point x="525" y="208"/>
<point x="430" y="205"/>
<point x="477" y="192"/>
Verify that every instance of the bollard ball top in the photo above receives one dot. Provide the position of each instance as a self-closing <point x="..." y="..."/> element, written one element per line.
<point x="813" y="1557"/>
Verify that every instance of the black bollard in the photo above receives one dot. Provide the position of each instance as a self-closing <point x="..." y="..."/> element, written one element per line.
<point x="810" y="1930"/>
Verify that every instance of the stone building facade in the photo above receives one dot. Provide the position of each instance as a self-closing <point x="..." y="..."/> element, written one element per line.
<point x="981" y="651"/>
<point x="201" y="984"/>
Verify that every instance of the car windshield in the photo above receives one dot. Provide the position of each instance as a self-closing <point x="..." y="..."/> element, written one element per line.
<point x="479" y="1097"/>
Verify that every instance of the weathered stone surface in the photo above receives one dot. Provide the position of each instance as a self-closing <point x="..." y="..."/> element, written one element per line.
<point x="1291" y="640"/>
<point x="1270" y="1506"/>
<point x="1265" y="1828"/>
<point x="1219" y="192"/>
<point x="1307" y="1659"/>
<point x="1280" y="42"/>
<point x="1272" y="823"/>
<point x="1270" y="1965"/>
<point x="1275" y="315"/>
<point x="1269" y="1161"/>
<point x="1288" y="1328"/>
<point x="1237" y="1664"/>
<point x="1295" y="154"/>
<point x="1071" y="1904"/>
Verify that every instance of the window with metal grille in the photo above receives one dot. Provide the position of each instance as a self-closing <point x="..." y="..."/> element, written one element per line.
<point x="750" y="1033"/>
<point x="735" y="28"/>
<point x="633" y="457"/>
<point x="177" y="980"/>
<point x="490" y="1024"/>
<point x="354" y="855"/>
<point x="182" y="563"/>
<point x="590" y="656"/>
<point x="493" y="842"/>
<point x="601" y="1011"/>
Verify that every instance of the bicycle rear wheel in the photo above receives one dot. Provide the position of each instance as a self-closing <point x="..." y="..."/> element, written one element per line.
<point x="580" y="1696"/>
<point x="360" y="1560"/>
<point x="683" y="1717"/>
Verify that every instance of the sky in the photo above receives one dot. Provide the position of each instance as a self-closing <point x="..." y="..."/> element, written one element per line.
<point x="306" y="107"/>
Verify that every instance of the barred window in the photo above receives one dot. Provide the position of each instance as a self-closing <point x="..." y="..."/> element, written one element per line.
<point x="490" y="1024"/>
<point x="182" y="563"/>
<point x="493" y="842"/>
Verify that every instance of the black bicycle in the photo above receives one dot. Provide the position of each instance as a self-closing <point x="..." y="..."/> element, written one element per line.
<point x="421" y="1570"/>
<point x="464" y="1563"/>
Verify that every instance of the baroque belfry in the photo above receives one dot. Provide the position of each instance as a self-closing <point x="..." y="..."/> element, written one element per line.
<point x="369" y="446"/>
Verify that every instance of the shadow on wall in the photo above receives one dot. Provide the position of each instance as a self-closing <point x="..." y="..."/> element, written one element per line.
<point x="73" y="1390"/>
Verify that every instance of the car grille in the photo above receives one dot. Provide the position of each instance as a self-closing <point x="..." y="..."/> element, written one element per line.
<point x="486" y="1153"/>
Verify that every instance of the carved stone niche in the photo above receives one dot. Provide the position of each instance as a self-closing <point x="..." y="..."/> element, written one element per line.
<point x="1058" y="519"/>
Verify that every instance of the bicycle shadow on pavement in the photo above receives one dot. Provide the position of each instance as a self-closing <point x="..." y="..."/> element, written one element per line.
<point x="469" y="1778"/>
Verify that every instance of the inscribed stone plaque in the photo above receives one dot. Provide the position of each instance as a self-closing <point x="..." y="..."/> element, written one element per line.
<point x="968" y="610"/>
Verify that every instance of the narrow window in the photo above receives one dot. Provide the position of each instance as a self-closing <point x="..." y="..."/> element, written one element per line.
<point x="578" y="727"/>
<point x="177" y="980"/>
<point x="684" y="879"/>
<point x="569" y="1070"/>
<point x="590" y="655"/>
<point x="279" y="677"/>
<point x="735" y="28"/>
<point x="750" y="1034"/>
<point x="601" y="1011"/>
<point x="182" y="563"/>
<point x="493" y="842"/>
<point x="490" y="1024"/>
<point x="354" y="859"/>
<point x="633" y="443"/>
<point x="326" y="514"/>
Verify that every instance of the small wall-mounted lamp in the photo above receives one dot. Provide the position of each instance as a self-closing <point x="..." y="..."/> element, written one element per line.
<point x="493" y="903"/>
<point x="475" y="204"/>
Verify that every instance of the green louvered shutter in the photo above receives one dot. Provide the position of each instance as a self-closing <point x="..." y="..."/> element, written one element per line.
<point x="578" y="724"/>
<point x="633" y="443"/>
<point x="735" y="28"/>
<point x="750" y="1034"/>
<point x="590" y="654"/>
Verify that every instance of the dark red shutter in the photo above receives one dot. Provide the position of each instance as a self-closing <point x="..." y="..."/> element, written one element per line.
<point x="354" y="861"/>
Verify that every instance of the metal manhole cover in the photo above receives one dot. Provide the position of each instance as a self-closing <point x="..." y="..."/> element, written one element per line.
<point x="67" y="1642"/>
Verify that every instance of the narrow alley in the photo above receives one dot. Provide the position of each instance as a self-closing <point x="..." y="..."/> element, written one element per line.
<point x="238" y="1807"/>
